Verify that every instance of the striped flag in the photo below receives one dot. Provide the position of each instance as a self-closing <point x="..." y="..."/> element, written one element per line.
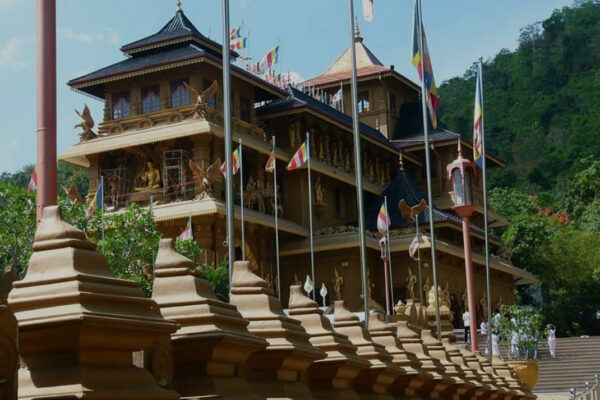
<point x="187" y="233"/>
<point x="477" y="124"/>
<point x="98" y="200"/>
<point x="383" y="220"/>
<point x="413" y="248"/>
<point x="421" y="56"/>
<point x="33" y="181"/>
<point x="270" y="59"/>
<point x="338" y="98"/>
<point x="235" y="33"/>
<point x="270" y="165"/>
<point x="235" y="162"/>
<point x="299" y="158"/>
<point x="238" y="44"/>
<point x="368" y="10"/>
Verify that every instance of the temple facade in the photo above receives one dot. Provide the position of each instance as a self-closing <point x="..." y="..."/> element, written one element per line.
<point x="161" y="142"/>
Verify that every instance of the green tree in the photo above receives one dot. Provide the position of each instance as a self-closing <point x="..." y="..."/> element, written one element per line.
<point x="17" y="227"/>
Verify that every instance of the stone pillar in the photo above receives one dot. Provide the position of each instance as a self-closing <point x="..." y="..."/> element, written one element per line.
<point x="382" y="373"/>
<point x="8" y="354"/>
<point x="414" y="377"/>
<point x="79" y="325"/>
<point x="410" y="337"/>
<point x="277" y="371"/>
<point x="212" y="345"/>
<point x="332" y="377"/>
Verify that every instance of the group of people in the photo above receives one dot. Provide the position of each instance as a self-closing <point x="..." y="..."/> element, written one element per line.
<point x="516" y="339"/>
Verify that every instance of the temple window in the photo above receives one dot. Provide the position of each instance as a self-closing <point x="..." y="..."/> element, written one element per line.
<point x="121" y="106"/>
<point x="364" y="105"/>
<point x="179" y="95"/>
<point x="212" y="102"/>
<point x="245" y="108"/>
<point x="150" y="99"/>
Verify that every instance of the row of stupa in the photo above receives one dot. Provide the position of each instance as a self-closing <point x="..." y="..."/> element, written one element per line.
<point x="85" y="334"/>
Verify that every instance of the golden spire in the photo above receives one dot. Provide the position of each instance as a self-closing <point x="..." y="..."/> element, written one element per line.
<point x="357" y="37"/>
<point x="178" y="5"/>
<point x="400" y="161"/>
<point x="459" y="148"/>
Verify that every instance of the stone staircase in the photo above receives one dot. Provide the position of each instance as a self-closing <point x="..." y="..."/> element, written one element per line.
<point x="577" y="361"/>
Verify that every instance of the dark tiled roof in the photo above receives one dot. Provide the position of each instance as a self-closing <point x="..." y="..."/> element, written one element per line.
<point x="142" y="61"/>
<point x="297" y="99"/>
<point x="436" y="136"/>
<point x="345" y="75"/>
<point x="403" y="187"/>
<point x="179" y="27"/>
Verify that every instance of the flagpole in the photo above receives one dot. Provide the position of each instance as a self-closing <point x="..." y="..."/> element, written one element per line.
<point x="358" y="170"/>
<point x="276" y="222"/>
<point x="389" y="247"/>
<point x="102" y="212"/>
<point x="419" y="260"/>
<point x="242" y="200"/>
<point x="228" y="138"/>
<point x="428" y="168"/>
<point x="485" y="215"/>
<point x="152" y="217"/>
<point x="310" y="217"/>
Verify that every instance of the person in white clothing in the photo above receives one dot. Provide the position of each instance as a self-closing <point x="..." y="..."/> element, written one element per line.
<point x="484" y="333"/>
<point x="467" y="324"/>
<point x="552" y="340"/>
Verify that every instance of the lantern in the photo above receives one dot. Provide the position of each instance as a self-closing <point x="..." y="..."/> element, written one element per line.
<point x="461" y="173"/>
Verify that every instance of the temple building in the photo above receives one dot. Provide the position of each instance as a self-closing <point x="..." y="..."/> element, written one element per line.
<point x="160" y="143"/>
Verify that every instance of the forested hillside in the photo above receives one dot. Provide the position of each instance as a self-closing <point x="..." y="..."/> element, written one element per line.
<point x="542" y="115"/>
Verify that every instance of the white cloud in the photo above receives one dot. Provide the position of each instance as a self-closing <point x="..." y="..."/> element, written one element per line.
<point x="11" y="52"/>
<point x="9" y="3"/>
<point x="105" y="35"/>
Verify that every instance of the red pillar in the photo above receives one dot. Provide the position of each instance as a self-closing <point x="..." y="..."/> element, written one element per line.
<point x="46" y="104"/>
<point x="470" y="282"/>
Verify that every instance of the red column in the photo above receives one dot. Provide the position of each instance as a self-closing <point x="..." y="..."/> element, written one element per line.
<point x="46" y="104"/>
<point x="470" y="282"/>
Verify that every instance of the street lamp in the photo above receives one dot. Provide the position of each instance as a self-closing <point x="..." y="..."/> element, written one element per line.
<point x="383" y="245"/>
<point x="461" y="172"/>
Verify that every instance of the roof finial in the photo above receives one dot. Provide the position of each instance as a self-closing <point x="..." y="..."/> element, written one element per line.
<point x="459" y="148"/>
<point x="400" y="161"/>
<point x="357" y="37"/>
<point x="178" y="5"/>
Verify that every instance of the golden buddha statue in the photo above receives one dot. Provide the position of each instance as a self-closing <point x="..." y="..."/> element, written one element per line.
<point x="150" y="178"/>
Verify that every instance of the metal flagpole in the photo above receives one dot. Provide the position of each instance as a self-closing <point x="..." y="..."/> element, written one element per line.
<point x="358" y="170"/>
<point x="389" y="247"/>
<point x="242" y="201"/>
<point x="276" y="222"/>
<point x="152" y="216"/>
<point x="102" y="212"/>
<point x="485" y="216"/>
<point x="228" y="138"/>
<point x="419" y="260"/>
<point x="428" y="167"/>
<point x="310" y="217"/>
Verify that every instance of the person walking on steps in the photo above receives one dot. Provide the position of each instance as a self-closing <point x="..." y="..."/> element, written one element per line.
<point x="467" y="324"/>
<point x="552" y="340"/>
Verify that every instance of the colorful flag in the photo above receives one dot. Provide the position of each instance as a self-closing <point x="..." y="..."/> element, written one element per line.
<point x="235" y="162"/>
<point x="299" y="158"/>
<point x="413" y="248"/>
<point x="98" y="200"/>
<point x="477" y="124"/>
<point x="368" y="10"/>
<point x="421" y="56"/>
<point x="235" y="33"/>
<point x="383" y="220"/>
<point x="270" y="166"/>
<point x="337" y="99"/>
<point x="32" y="187"/>
<point x="187" y="233"/>
<point x="270" y="59"/>
<point x="238" y="44"/>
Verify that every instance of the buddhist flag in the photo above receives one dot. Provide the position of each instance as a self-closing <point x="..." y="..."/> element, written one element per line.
<point x="338" y="98"/>
<point x="413" y="248"/>
<point x="478" y="124"/>
<point x="270" y="165"/>
<point x="238" y="44"/>
<point x="270" y="59"/>
<point x="187" y="233"/>
<point x="421" y="60"/>
<point x="383" y="220"/>
<point x="368" y="10"/>
<point x="33" y="181"/>
<point x="235" y="33"/>
<point x="235" y="162"/>
<point x="299" y="158"/>
<point x="97" y="201"/>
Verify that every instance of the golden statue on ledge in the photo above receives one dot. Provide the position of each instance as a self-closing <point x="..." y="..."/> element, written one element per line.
<point x="207" y="177"/>
<point x="338" y="281"/>
<point x="150" y="178"/>
<point x="201" y="99"/>
<point x="411" y="281"/>
<point x="319" y="194"/>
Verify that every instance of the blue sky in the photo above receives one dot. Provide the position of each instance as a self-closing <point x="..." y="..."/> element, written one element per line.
<point x="312" y="33"/>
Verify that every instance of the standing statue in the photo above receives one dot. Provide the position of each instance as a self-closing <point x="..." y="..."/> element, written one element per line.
<point x="86" y="124"/>
<point x="260" y="195"/>
<point x="447" y="299"/>
<point x="338" y="281"/>
<point x="207" y="177"/>
<point x="149" y="179"/>
<point x="483" y="304"/>
<point x="431" y="297"/>
<point x="371" y="173"/>
<point x="319" y="192"/>
<point x="327" y="150"/>
<point x="201" y="99"/>
<point x="426" y="286"/>
<point x="321" y="147"/>
<point x="335" y="159"/>
<point x="411" y="281"/>
<point x="250" y="198"/>
<point x="499" y="303"/>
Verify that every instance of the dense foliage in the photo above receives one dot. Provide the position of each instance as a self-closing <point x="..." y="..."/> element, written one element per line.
<point x="521" y="325"/>
<point x="541" y="116"/>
